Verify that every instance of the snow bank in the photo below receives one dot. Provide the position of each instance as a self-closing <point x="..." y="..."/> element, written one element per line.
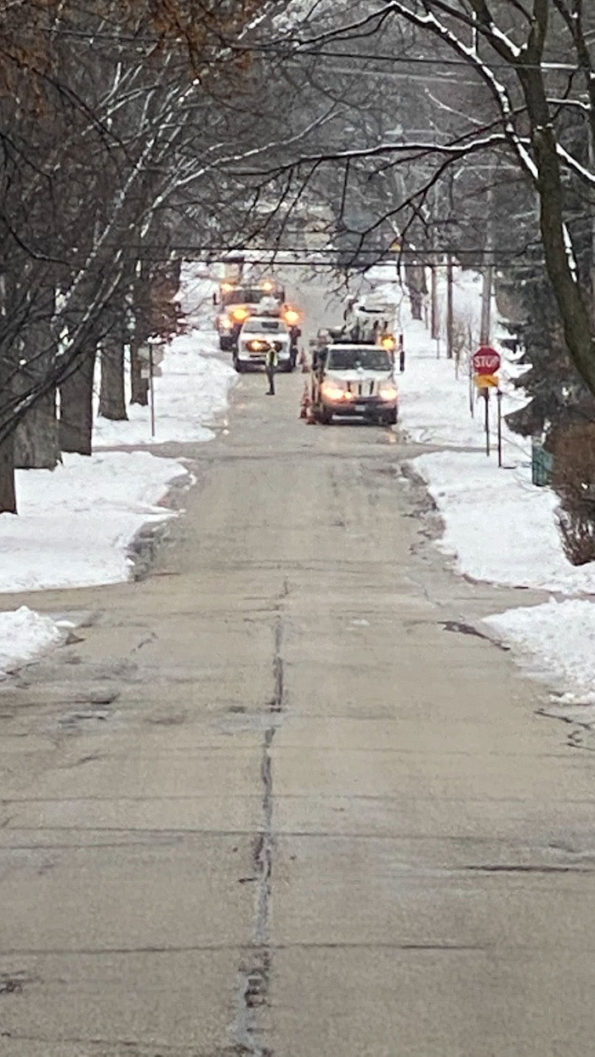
<point x="558" y="638"/>
<point x="76" y="522"/>
<point x="23" y="634"/>
<point x="498" y="526"/>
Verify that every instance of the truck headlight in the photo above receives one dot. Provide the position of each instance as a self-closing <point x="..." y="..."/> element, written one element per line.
<point x="333" y="390"/>
<point x="387" y="391"/>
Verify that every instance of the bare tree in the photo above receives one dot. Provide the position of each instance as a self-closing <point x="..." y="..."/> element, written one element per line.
<point x="102" y="110"/>
<point x="524" y="67"/>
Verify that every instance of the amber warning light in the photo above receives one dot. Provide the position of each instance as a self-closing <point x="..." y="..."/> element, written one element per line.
<point x="291" y="316"/>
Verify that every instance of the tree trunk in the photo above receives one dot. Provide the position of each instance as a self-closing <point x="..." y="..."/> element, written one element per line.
<point x="8" y="500"/>
<point x="76" y="408"/>
<point x="575" y="313"/>
<point x="112" y="398"/>
<point x="139" y="386"/>
<point x="36" y="445"/>
<point x="449" y="308"/>
<point x="416" y="303"/>
<point x="435" y="318"/>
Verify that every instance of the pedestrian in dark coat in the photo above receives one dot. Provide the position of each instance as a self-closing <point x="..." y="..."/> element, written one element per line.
<point x="270" y="366"/>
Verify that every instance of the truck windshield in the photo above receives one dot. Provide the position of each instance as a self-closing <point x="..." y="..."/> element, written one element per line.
<point x="369" y="358"/>
<point x="242" y="295"/>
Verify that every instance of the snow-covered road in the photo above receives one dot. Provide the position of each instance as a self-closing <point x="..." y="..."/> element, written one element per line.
<point x="76" y="524"/>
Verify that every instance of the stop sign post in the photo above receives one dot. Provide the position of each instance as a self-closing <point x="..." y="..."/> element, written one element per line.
<point x="486" y="361"/>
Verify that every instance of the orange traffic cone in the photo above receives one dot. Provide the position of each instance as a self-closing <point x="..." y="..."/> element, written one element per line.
<point x="305" y="403"/>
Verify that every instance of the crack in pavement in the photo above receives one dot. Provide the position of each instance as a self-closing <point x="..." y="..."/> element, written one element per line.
<point x="253" y="980"/>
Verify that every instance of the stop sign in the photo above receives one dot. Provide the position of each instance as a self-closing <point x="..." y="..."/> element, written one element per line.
<point x="486" y="360"/>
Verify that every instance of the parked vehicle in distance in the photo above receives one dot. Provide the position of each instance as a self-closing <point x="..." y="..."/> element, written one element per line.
<point x="239" y="300"/>
<point x="257" y="335"/>
<point x="356" y="381"/>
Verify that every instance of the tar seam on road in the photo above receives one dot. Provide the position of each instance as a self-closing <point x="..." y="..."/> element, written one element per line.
<point x="253" y="979"/>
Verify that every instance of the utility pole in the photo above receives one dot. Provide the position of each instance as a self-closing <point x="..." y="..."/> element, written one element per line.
<point x="449" y="308"/>
<point x="434" y="318"/>
<point x="488" y="272"/>
<point x="592" y="212"/>
<point x="435" y="263"/>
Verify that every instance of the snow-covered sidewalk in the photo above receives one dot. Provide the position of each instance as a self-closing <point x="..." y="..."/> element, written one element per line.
<point x="192" y="390"/>
<point x="499" y="527"/>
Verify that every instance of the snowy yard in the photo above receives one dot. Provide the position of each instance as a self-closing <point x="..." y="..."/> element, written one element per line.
<point x="76" y="524"/>
<point x="498" y="527"/>
<point x="192" y="390"/>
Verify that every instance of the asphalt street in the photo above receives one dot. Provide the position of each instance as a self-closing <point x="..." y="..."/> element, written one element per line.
<point x="277" y="798"/>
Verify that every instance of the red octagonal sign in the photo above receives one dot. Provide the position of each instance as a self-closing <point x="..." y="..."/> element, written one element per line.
<point x="486" y="360"/>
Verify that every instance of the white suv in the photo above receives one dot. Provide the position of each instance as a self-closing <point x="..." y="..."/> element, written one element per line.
<point x="255" y="339"/>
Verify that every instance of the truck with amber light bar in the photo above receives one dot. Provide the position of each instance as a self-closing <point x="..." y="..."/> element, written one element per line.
<point x="355" y="381"/>
<point x="239" y="300"/>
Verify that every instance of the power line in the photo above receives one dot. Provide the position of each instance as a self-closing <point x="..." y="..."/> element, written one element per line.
<point x="338" y="258"/>
<point x="415" y="60"/>
<point x="280" y="50"/>
<point x="445" y="248"/>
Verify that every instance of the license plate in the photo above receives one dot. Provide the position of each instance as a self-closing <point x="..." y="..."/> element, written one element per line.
<point x="360" y="407"/>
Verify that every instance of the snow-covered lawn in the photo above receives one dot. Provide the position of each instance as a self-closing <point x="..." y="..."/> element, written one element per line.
<point x="191" y="391"/>
<point x="76" y="522"/>
<point x="23" y="634"/>
<point x="498" y="527"/>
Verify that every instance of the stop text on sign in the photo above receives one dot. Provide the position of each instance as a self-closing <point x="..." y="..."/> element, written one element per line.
<point x="486" y="360"/>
